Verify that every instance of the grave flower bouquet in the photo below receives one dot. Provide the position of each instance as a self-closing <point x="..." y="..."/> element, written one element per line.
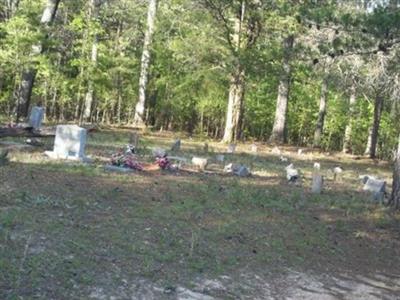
<point x="126" y="160"/>
<point x="163" y="162"/>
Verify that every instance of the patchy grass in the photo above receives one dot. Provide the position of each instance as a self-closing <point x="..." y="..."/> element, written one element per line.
<point x="67" y="228"/>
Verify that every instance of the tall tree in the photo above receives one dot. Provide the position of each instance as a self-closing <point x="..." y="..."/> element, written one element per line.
<point x="395" y="196"/>
<point x="241" y="25"/>
<point x="94" y="6"/>
<point x="349" y="127"/>
<point x="278" y="130"/>
<point x="139" y="118"/>
<point x="319" y="128"/>
<point x="24" y="92"/>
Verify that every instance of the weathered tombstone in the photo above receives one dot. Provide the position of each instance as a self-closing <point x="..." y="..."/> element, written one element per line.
<point x="36" y="117"/>
<point x="200" y="162"/>
<point x="231" y="148"/>
<point x="159" y="152"/>
<point x="292" y="174"/>
<point x="377" y="187"/>
<point x="3" y="156"/>
<point x="220" y="158"/>
<point x="317" y="183"/>
<point x="337" y="173"/>
<point x="243" y="171"/>
<point x="231" y="168"/>
<point x="283" y="159"/>
<point x="364" y="178"/>
<point x="176" y="146"/>
<point x="69" y="143"/>
<point x="134" y="140"/>
<point x="253" y="148"/>
<point x="205" y="147"/>
<point x="317" y="166"/>
<point x="276" y="151"/>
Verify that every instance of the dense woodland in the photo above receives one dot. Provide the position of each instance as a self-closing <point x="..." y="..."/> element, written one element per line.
<point x="317" y="73"/>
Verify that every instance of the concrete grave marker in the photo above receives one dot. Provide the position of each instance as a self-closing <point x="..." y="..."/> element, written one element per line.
<point x="220" y="158"/>
<point x="176" y="146"/>
<point x="253" y="148"/>
<point x="205" y="147"/>
<point x="283" y="159"/>
<point x="200" y="162"/>
<point x="159" y="152"/>
<point x="243" y="171"/>
<point x="337" y="173"/>
<point x="377" y="187"/>
<point x="317" y="183"/>
<point x="69" y="143"/>
<point x="36" y="117"/>
<point x="231" y="148"/>
<point x="134" y="140"/>
<point x="292" y="174"/>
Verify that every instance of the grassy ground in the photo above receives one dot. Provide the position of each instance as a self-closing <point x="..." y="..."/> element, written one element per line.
<point x="74" y="231"/>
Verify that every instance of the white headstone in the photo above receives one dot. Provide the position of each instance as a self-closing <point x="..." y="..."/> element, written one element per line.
<point x="36" y="117"/>
<point x="200" y="162"/>
<point x="300" y="152"/>
<point x="254" y="148"/>
<point x="231" y="148"/>
<point x="231" y="168"/>
<point x="337" y="173"/>
<point x="292" y="174"/>
<point x="283" y="159"/>
<point x="317" y="166"/>
<point x="317" y="183"/>
<point x="69" y="143"/>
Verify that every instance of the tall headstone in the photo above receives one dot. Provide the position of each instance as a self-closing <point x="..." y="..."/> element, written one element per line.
<point x="317" y="183"/>
<point x="36" y="117"/>
<point x="176" y="146"/>
<point x="231" y="148"/>
<point x="205" y="147"/>
<point x="70" y="143"/>
<point x="134" y="140"/>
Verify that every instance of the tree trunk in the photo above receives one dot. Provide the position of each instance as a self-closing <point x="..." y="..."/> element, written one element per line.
<point x="321" y="114"/>
<point x="237" y="82"/>
<point x="348" y="130"/>
<point x="278" y="131"/>
<point x="395" y="197"/>
<point x="235" y="103"/>
<point x="138" y="119"/>
<point x="89" y="94"/>
<point x="87" y="113"/>
<point x="374" y="130"/>
<point x="28" y="77"/>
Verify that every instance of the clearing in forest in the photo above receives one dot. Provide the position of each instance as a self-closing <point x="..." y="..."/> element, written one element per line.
<point x="74" y="231"/>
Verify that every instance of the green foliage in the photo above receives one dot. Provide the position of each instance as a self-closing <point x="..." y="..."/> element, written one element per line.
<point x="192" y="58"/>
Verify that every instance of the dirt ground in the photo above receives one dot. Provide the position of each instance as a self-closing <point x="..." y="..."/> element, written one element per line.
<point x="75" y="231"/>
